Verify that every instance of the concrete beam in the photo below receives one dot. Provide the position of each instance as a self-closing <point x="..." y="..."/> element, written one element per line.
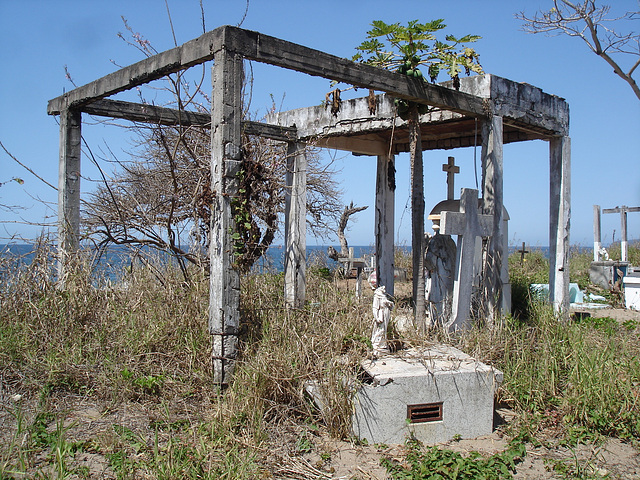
<point x="274" y="51"/>
<point x="520" y="104"/>
<point x="137" y="112"/>
<point x="193" y="52"/>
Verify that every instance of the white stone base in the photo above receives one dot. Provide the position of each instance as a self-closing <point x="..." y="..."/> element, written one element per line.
<point x="421" y="380"/>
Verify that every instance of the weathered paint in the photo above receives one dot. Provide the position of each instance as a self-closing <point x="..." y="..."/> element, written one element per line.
<point x="68" y="188"/>
<point x="385" y="221"/>
<point x="226" y="155"/>
<point x="295" y="226"/>
<point x="559" y="222"/>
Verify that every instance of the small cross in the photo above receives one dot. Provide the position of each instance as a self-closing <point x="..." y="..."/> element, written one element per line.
<point x="522" y="253"/>
<point x="451" y="168"/>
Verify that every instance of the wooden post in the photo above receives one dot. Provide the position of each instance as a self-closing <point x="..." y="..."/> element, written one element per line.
<point x="295" y="230"/>
<point x="468" y="225"/>
<point x="68" y="189"/>
<point x="226" y="159"/>
<point x="493" y="204"/>
<point x="385" y="222"/>
<point x="559" y="223"/>
<point x="597" y="233"/>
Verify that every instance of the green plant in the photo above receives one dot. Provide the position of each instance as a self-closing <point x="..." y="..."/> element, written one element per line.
<point x="150" y="384"/>
<point x="441" y="464"/>
<point x="304" y="444"/>
<point x="406" y="48"/>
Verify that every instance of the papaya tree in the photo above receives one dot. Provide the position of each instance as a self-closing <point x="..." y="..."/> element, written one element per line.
<point x="407" y="49"/>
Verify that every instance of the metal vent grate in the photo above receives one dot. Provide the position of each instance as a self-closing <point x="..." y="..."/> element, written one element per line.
<point x="424" y="412"/>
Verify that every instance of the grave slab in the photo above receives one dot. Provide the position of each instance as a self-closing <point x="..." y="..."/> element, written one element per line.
<point x="433" y="393"/>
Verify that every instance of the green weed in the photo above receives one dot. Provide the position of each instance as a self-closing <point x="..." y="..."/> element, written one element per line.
<point x="441" y="464"/>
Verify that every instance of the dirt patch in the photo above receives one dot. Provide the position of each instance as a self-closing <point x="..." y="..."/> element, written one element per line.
<point x="620" y="314"/>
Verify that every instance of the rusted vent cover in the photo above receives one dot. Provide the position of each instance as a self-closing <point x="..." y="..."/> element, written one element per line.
<point x="424" y="412"/>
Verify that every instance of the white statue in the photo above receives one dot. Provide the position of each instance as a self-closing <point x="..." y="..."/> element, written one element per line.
<point x="382" y="307"/>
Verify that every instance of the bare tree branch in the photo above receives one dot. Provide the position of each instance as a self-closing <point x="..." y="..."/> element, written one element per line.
<point x="591" y="23"/>
<point x="26" y="168"/>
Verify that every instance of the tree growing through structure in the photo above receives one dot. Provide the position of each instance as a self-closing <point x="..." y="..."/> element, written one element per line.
<point x="594" y="26"/>
<point x="406" y="49"/>
<point x="161" y="196"/>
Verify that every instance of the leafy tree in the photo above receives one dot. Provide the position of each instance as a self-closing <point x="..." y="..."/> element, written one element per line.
<point x="592" y="24"/>
<point x="406" y="49"/>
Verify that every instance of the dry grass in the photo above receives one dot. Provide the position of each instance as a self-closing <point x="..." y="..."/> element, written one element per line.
<point x="121" y="373"/>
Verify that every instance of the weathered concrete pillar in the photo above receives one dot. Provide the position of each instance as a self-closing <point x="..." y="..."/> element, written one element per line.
<point x="385" y="222"/>
<point x="295" y="230"/>
<point x="624" y="248"/>
<point x="68" y="188"/>
<point x="226" y="159"/>
<point x="493" y="204"/>
<point x="597" y="233"/>
<point x="506" y="281"/>
<point x="559" y="222"/>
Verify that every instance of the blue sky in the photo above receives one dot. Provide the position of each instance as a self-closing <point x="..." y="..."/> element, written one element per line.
<point x="39" y="38"/>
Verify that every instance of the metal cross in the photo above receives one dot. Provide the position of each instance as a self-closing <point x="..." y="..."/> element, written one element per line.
<point x="522" y="253"/>
<point x="451" y="168"/>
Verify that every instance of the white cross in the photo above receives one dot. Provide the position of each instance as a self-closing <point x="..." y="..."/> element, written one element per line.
<point x="468" y="225"/>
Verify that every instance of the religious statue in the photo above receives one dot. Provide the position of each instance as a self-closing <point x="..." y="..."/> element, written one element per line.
<point x="440" y="266"/>
<point x="382" y="307"/>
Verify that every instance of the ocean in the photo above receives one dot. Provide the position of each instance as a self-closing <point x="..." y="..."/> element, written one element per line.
<point x="116" y="258"/>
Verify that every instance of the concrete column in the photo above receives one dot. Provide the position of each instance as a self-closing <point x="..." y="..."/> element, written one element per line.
<point x="295" y="233"/>
<point x="506" y="282"/>
<point x="597" y="235"/>
<point x="385" y="222"/>
<point x="624" y="256"/>
<point x="68" y="189"/>
<point x="226" y="160"/>
<point x="559" y="222"/>
<point x="493" y="204"/>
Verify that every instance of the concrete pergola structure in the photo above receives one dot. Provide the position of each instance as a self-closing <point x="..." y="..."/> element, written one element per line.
<point x="506" y="111"/>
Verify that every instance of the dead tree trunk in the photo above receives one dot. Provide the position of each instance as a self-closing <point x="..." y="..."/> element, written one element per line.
<point x="417" y="215"/>
<point x="342" y="226"/>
